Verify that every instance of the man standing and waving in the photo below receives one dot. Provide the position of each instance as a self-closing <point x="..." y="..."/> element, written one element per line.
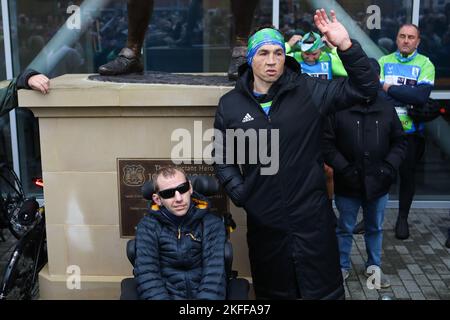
<point x="291" y="225"/>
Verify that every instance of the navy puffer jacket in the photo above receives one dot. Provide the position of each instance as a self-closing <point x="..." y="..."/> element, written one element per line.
<point x="181" y="263"/>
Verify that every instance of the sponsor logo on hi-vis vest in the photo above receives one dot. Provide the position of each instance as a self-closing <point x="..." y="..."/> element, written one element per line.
<point x="400" y="74"/>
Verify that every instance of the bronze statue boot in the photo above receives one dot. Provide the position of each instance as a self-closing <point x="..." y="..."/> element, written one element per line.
<point x="238" y="57"/>
<point x="126" y="62"/>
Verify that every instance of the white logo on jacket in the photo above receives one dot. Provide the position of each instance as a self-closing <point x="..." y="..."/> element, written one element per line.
<point x="247" y="118"/>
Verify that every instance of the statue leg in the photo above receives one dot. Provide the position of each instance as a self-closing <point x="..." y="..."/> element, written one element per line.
<point x="129" y="58"/>
<point x="139" y="13"/>
<point x="194" y="14"/>
<point x="243" y="18"/>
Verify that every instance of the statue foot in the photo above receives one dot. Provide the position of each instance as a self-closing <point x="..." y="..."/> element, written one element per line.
<point x="126" y="62"/>
<point x="238" y="57"/>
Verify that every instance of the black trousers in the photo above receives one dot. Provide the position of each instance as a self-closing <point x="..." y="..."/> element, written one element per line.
<point x="407" y="171"/>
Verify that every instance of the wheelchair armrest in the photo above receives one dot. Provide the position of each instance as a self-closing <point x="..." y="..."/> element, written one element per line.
<point x="228" y="256"/>
<point x="131" y="251"/>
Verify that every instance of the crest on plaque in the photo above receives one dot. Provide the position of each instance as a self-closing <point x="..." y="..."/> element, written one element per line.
<point x="133" y="175"/>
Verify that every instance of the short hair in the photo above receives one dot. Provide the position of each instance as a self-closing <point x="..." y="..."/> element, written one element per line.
<point x="410" y="25"/>
<point x="166" y="172"/>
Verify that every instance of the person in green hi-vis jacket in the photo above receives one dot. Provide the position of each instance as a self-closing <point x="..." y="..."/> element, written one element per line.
<point x="315" y="56"/>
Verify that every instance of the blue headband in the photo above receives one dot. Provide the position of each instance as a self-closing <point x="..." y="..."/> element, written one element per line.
<point x="261" y="38"/>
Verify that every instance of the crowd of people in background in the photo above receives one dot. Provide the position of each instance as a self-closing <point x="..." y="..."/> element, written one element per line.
<point x="191" y="24"/>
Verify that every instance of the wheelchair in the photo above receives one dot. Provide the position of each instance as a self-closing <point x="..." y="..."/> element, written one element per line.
<point x="237" y="288"/>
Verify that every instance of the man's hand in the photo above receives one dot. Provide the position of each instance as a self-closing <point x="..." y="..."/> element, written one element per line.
<point x="386" y="87"/>
<point x="294" y="39"/>
<point x="335" y="32"/>
<point x="40" y="83"/>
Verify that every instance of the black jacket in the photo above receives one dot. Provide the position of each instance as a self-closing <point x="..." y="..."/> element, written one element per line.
<point x="184" y="262"/>
<point x="291" y="226"/>
<point x="365" y="145"/>
<point x="8" y="94"/>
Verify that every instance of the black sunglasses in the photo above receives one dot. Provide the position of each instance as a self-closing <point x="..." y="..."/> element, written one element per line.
<point x="170" y="193"/>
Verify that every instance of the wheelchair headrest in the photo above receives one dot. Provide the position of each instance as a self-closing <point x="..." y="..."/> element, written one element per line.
<point x="205" y="185"/>
<point x="147" y="190"/>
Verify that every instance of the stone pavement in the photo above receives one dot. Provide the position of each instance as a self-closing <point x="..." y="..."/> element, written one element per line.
<point x="418" y="268"/>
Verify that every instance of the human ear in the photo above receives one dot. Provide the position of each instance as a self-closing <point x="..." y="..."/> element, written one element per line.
<point x="156" y="199"/>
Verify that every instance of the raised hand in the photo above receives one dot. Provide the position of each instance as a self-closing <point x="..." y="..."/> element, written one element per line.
<point x="333" y="30"/>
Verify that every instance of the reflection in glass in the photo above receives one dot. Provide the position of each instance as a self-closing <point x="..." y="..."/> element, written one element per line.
<point x="296" y="17"/>
<point x="183" y="35"/>
<point x="2" y="50"/>
<point x="193" y="36"/>
<point x="434" y="25"/>
<point x="5" y="133"/>
<point x="434" y="170"/>
<point x="377" y="39"/>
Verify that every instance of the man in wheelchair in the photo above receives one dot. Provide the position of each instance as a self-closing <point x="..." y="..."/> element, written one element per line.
<point x="179" y="244"/>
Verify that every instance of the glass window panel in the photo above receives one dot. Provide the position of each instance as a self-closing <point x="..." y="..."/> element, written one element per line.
<point x="433" y="174"/>
<point x="433" y="171"/>
<point x="2" y="50"/>
<point x="377" y="39"/>
<point x="196" y="36"/>
<point x="434" y="23"/>
<point x="183" y="35"/>
<point x="5" y="132"/>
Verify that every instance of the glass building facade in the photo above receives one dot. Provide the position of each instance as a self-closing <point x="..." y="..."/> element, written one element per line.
<point x="196" y="36"/>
